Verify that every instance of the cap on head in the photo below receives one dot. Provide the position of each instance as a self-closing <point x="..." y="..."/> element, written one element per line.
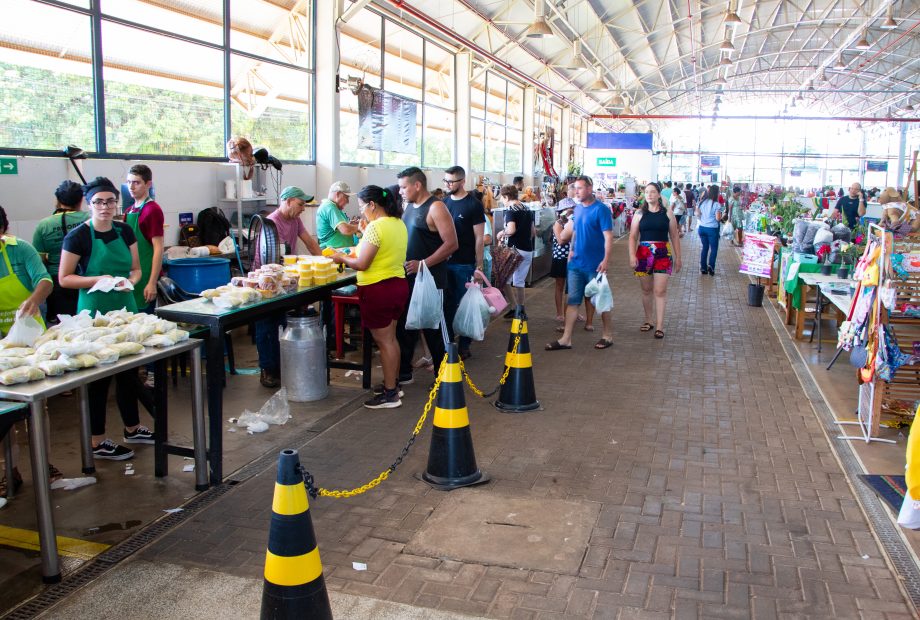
<point x="69" y="193"/>
<point x="99" y="184"/>
<point x="341" y="186"/>
<point x="294" y="192"/>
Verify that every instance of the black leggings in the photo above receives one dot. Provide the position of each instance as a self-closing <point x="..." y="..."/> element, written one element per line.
<point x="126" y="389"/>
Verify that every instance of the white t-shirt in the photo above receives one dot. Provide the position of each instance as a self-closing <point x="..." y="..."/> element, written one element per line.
<point x="678" y="203"/>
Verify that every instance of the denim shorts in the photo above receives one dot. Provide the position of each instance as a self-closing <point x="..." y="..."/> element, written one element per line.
<point x="576" y="281"/>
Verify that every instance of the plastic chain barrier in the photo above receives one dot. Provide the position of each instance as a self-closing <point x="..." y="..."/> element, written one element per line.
<point x="340" y="493"/>
<point x="501" y="382"/>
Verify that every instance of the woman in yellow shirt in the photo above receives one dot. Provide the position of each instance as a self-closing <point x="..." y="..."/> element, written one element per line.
<point x="382" y="289"/>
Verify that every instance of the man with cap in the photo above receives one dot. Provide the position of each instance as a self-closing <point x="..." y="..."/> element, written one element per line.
<point x="48" y="239"/>
<point x="332" y="225"/>
<point x="292" y="202"/>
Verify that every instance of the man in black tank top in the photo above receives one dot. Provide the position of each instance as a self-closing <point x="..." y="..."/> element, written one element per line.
<point x="432" y="238"/>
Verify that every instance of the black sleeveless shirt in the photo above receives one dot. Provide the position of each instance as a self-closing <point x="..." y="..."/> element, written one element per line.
<point x="654" y="226"/>
<point x="422" y="241"/>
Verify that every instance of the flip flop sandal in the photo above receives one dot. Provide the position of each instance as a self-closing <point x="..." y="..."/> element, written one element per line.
<point x="603" y="343"/>
<point x="589" y="328"/>
<point x="560" y="329"/>
<point x="659" y="334"/>
<point x="646" y="327"/>
<point x="555" y="345"/>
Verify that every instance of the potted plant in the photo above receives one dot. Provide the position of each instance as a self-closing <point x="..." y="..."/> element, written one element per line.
<point x="849" y="254"/>
<point x="824" y="254"/>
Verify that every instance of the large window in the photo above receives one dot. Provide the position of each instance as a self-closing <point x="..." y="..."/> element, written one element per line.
<point x="386" y="55"/>
<point x="163" y="92"/>
<point x="496" y="110"/>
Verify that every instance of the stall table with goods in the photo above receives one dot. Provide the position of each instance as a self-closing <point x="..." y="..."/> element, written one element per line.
<point x="270" y="291"/>
<point x="70" y="356"/>
<point x="836" y="289"/>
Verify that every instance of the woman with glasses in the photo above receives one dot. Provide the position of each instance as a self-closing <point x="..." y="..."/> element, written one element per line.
<point x="104" y="248"/>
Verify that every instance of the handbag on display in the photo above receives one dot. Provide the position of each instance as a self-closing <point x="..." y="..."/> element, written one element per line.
<point x="495" y="299"/>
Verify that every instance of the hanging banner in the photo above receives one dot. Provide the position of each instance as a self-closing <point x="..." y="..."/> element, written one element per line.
<point x="386" y="122"/>
<point x="757" y="254"/>
<point x="709" y="160"/>
<point x="876" y="166"/>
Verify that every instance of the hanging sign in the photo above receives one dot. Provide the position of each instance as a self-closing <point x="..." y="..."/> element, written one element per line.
<point x="795" y="173"/>
<point x="876" y="166"/>
<point x="386" y="122"/>
<point x="709" y="160"/>
<point x="757" y="254"/>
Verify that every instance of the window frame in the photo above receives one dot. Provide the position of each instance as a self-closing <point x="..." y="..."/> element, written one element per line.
<point x="101" y="151"/>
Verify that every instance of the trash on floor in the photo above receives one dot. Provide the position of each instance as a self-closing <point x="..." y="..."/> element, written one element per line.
<point x="69" y="484"/>
<point x="359" y="566"/>
<point x="274" y="411"/>
<point x="170" y="511"/>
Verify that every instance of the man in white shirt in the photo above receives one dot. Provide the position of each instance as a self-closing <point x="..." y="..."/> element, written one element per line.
<point x="678" y="206"/>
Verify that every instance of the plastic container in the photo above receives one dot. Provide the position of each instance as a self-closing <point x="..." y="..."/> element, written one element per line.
<point x="755" y="295"/>
<point x="303" y="358"/>
<point x="197" y="274"/>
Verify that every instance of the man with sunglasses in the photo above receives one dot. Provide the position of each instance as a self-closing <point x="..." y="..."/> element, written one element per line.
<point x="470" y="223"/>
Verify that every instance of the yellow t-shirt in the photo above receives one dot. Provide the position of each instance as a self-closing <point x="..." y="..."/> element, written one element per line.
<point x="391" y="238"/>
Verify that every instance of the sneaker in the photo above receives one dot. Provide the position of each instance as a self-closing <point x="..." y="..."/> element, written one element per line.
<point x="405" y="380"/>
<point x="269" y="379"/>
<point x="141" y="434"/>
<point x="379" y="389"/>
<point x="712" y="271"/>
<point x="387" y="400"/>
<point x="110" y="450"/>
<point x="54" y="474"/>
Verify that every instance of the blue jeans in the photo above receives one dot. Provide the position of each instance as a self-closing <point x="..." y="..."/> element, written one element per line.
<point x="576" y="281"/>
<point x="267" y="343"/>
<point x="457" y="277"/>
<point x="710" y="239"/>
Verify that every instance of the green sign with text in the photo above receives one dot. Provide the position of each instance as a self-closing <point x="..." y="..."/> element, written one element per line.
<point x="607" y="161"/>
<point x="9" y="165"/>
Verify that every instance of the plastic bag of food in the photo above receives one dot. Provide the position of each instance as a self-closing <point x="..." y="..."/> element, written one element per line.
<point x="86" y="360"/>
<point x="177" y="335"/>
<point x="53" y="368"/>
<point x="24" y="332"/>
<point x="72" y="363"/>
<point x="108" y="339"/>
<point x="159" y="340"/>
<point x="67" y="348"/>
<point x="127" y="348"/>
<point x="7" y="363"/>
<point x="106" y="355"/>
<point x="22" y="374"/>
<point x="162" y="326"/>
<point x="17" y="352"/>
<point x="138" y="332"/>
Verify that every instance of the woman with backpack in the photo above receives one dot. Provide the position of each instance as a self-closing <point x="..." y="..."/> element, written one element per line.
<point x="710" y="213"/>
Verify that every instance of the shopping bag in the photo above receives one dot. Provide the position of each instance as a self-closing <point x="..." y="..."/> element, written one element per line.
<point x="603" y="301"/>
<point x="504" y="261"/>
<point x="495" y="299"/>
<point x="472" y="314"/>
<point x="425" y="306"/>
<point x="727" y="230"/>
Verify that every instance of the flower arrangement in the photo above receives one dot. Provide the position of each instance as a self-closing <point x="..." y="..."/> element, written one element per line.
<point x="783" y="211"/>
<point x="824" y="254"/>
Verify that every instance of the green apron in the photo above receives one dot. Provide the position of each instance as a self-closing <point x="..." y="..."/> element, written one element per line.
<point x="113" y="259"/>
<point x="144" y="254"/>
<point x="12" y="294"/>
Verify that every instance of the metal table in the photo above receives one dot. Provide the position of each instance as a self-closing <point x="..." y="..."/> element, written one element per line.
<point x="35" y="394"/>
<point x="806" y="282"/>
<point x="202" y="312"/>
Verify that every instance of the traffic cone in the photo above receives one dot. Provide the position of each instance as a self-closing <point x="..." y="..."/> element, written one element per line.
<point x="518" y="392"/>
<point x="451" y="460"/>
<point x="294" y="585"/>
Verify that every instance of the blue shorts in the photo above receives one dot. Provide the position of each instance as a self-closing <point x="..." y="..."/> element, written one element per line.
<point x="577" y="280"/>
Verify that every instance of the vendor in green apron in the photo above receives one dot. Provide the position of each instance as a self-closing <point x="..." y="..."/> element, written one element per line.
<point x="145" y="217"/>
<point x="48" y="238"/>
<point x="24" y="286"/>
<point x="104" y="248"/>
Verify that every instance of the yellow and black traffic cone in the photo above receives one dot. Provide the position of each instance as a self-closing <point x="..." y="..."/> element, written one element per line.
<point x="451" y="460"/>
<point x="294" y="585"/>
<point x="518" y="392"/>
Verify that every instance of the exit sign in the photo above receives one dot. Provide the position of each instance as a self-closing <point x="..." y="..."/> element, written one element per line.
<point x="9" y="165"/>
<point x="607" y="161"/>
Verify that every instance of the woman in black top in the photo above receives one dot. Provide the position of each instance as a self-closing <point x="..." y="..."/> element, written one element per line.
<point x="654" y="238"/>
<point x="519" y="233"/>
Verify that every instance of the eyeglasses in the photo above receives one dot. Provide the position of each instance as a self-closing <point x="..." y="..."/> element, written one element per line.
<point x="451" y="182"/>
<point x="111" y="202"/>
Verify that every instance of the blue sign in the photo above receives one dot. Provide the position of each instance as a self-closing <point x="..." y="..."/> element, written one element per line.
<point x="186" y="218"/>
<point x="876" y="166"/>
<point x="634" y="141"/>
<point x="709" y="160"/>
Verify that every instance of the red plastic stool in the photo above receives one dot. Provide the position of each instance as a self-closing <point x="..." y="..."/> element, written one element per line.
<point x="340" y="301"/>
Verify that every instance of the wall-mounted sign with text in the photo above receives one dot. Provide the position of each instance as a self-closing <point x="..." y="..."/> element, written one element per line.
<point x="610" y="162"/>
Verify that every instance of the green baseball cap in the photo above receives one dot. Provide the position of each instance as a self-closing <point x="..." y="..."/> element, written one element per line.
<point x="295" y="192"/>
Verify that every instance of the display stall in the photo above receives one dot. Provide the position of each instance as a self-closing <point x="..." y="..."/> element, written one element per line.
<point x="544" y="217"/>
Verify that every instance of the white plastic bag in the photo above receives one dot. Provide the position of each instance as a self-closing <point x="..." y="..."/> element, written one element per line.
<point x="727" y="230"/>
<point x="472" y="314"/>
<point x="24" y="332"/>
<point x="603" y="296"/>
<point x="425" y="307"/>
<point x="275" y="411"/>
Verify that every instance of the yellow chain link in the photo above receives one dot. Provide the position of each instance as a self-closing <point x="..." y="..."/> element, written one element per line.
<point x="501" y="382"/>
<point x="386" y="473"/>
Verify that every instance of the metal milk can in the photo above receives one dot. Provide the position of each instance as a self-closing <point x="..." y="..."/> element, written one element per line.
<point x="303" y="358"/>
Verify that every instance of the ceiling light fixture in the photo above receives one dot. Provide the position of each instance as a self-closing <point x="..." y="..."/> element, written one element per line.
<point x="617" y="101"/>
<point x="863" y="43"/>
<point x="731" y="18"/>
<point x="839" y="64"/>
<point x="823" y="75"/>
<point x="577" y="61"/>
<point x="599" y="83"/>
<point x="720" y="81"/>
<point x="726" y="61"/>
<point x="909" y="108"/>
<point x="890" y="23"/>
<point x="538" y="28"/>
<point x="727" y="46"/>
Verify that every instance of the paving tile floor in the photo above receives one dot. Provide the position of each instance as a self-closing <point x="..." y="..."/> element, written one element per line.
<point x="719" y="493"/>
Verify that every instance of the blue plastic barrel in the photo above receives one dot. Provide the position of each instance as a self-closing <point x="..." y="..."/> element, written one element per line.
<point x="197" y="274"/>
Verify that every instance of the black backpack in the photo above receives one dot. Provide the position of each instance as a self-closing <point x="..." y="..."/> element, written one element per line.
<point x="188" y="236"/>
<point x="213" y="226"/>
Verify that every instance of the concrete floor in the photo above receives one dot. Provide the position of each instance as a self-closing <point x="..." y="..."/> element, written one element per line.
<point x="720" y="493"/>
